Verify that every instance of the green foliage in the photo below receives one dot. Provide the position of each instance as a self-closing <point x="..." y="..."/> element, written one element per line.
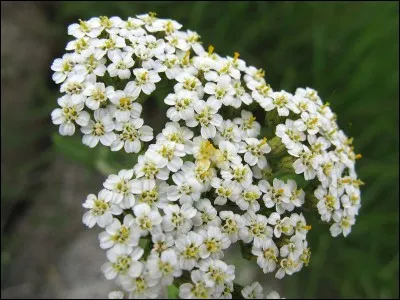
<point x="349" y="53"/>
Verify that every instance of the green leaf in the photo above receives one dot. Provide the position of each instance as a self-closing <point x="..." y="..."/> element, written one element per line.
<point x="173" y="292"/>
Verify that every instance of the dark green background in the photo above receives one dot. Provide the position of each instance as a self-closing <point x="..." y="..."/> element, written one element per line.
<point x="346" y="51"/>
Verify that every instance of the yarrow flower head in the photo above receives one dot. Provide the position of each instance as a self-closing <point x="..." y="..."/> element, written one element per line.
<point x="237" y="162"/>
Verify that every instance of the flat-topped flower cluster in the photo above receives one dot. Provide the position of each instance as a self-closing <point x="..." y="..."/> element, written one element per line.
<point x="237" y="163"/>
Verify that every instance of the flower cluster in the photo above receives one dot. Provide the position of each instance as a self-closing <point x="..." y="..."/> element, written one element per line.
<point x="237" y="162"/>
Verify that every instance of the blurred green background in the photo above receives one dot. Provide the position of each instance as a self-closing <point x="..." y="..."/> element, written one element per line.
<point x="347" y="51"/>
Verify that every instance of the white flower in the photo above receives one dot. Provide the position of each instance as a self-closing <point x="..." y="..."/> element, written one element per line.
<point x="277" y="195"/>
<point x="351" y="201"/>
<point x="169" y="26"/>
<point x="254" y="291"/>
<point x="123" y="263"/>
<point x="226" y="291"/>
<point x="255" y="228"/>
<point x="229" y="155"/>
<point x="203" y="63"/>
<point x="307" y="163"/>
<point x="62" y="67"/>
<point x="101" y="209"/>
<point x="312" y="122"/>
<point x="280" y="100"/>
<point x="116" y="295"/>
<point x="88" y="64"/>
<point x="197" y="290"/>
<point x="248" y="124"/>
<point x="82" y="46"/>
<point x="178" y="218"/>
<point x="225" y="189"/>
<point x="254" y="74"/>
<point x="141" y="51"/>
<point x="121" y="64"/>
<point x="173" y="132"/>
<point x="97" y="95"/>
<point x="145" y="82"/>
<point x="254" y="151"/>
<point x="328" y="168"/>
<point x="291" y="134"/>
<point x="188" y="246"/>
<point x="300" y="225"/>
<point x="223" y="67"/>
<point x="222" y="90"/>
<point x="148" y="19"/>
<point x="293" y="248"/>
<point x="193" y="39"/>
<point x="343" y="223"/>
<point x="101" y="130"/>
<point x="141" y="286"/>
<point x="124" y="235"/>
<point x="172" y="152"/>
<point x="280" y="225"/>
<point x="302" y="104"/>
<point x="217" y="273"/>
<point x="228" y="131"/>
<point x="125" y="106"/>
<point x="105" y="45"/>
<point x="151" y="166"/>
<point x="164" y="267"/>
<point x="188" y="82"/>
<point x="156" y="46"/>
<point x="214" y="241"/>
<point x="111" y="25"/>
<point x="206" y="215"/>
<point x="309" y="94"/>
<point x="132" y="132"/>
<point x="287" y="266"/>
<point x="187" y="188"/>
<point x="296" y="195"/>
<point x="132" y="27"/>
<point x="231" y="224"/>
<point x="120" y="186"/>
<point x="161" y="242"/>
<point x="206" y="115"/>
<point x="247" y="199"/>
<point x="267" y="255"/>
<point x="273" y="295"/>
<point x="178" y="40"/>
<point x="74" y="86"/>
<point x="147" y="220"/>
<point x="261" y="92"/>
<point x="69" y="113"/>
<point x="318" y="144"/>
<point x="150" y="191"/>
<point x="182" y="103"/>
<point x="172" y="68"/>
<point x="328" y="202"/>
<point x="239" y="173"/>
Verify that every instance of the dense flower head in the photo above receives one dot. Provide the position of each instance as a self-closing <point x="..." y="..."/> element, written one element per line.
<point x="236" y="163"/>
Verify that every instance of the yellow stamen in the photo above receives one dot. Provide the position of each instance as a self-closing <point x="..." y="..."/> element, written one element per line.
<point x="325" y="105"/>
<point x="307" y="227"/>
<point x="237" y="54"/>
<point x="358" y="156"/>
<point x="358" y="182"/>
<point x="152" y="14"/>
<point x="263" y="141"/>
<point x="186" y="58"/>
<point x="260" y="73"/>
<point x="210" y="49"/>
<point x="349" y="141"/>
